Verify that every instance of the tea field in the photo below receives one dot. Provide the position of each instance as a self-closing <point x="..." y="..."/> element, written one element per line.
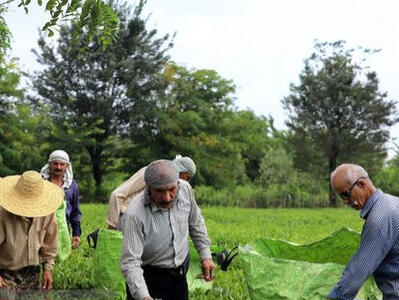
<point x="227" y="227"/>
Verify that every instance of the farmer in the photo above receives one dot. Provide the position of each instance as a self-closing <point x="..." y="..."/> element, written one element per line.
<point x="155" y="252"/>
<point x="28" y="231"/>
<point x="58" y="170"/>
<point x="378" y="253"/>
<point x="123" y="194"/>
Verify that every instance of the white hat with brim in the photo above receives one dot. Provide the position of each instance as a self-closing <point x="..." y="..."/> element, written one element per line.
<point x="29" y="195"/>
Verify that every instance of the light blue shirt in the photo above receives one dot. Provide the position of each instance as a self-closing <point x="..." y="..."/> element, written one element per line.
<point x="378" y="254"/>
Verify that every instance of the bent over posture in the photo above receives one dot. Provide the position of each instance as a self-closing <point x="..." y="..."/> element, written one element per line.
<point x="378" y="254"/>
<point x="28" y="231"/>
<point x="155" y="252"/>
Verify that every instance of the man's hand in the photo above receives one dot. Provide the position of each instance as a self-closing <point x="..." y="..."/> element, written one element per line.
<point x="75" y="242"/>
<point x="47" y="280"/>
<point x="207" y="267"/>
<point x="2" y="283"/>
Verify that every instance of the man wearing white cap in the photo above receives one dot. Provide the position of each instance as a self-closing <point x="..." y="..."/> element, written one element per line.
<point x="123" y="194"/>
<point x="28" y="231"/>
<point x="157" y="224"/>
<point x="58" y="170"/>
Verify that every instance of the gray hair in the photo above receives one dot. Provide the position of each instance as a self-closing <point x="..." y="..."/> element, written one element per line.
<point x="350" y="173"/>
<point x="161" y="172"/>
<point x="185" y="164"/>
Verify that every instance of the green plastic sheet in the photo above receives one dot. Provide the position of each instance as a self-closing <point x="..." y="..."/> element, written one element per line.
<point x="195" y="269"/>
<point x="107" y="274"/>
<point x="63" y="239"/>
<point x="276" y="269"/>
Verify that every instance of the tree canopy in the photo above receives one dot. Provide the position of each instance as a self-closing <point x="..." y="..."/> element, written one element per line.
<point x="104" y="92"/>
<point x="339" y="110"/>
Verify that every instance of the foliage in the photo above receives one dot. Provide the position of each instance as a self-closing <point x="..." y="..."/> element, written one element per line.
<point x="225" y="228"/>
<point x="16" y="134"/>
<point x="23" y="141"/>
<point x="9" y="72"/>
<point x="387" y="178"/>
<point x="93" y="18"/>
<point x="300" y="191"/>
<point x="276" y="167"/>
<point x="338" y="108"/>
<point x="196" y="117"/>
<point x="101" y="94"/>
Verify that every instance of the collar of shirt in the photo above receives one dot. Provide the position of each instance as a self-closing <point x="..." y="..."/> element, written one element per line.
<point x="369" y="203"/>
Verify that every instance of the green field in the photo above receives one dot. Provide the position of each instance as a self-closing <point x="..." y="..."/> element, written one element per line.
<point x="227" y="227"/>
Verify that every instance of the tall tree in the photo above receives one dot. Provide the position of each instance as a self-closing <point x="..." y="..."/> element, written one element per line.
<point x="104" y="92"/>
<point x="196" y="116"/>
<point x="338" y="107"/>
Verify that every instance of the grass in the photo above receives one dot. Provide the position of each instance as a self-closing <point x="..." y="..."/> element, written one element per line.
<point x="227" y="227"/>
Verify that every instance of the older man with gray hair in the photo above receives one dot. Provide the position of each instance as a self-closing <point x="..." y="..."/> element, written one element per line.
<point x="123" y="194"/>
<point x="157" y="224"/>
<point x="378" y="254"/>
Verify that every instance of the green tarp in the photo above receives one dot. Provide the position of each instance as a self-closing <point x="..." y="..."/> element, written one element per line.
<point x="107" y="274"/>
<point x="63" y="239"/>
<point x="276" y="269"/>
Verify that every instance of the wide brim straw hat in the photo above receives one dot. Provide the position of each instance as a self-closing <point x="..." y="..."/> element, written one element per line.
<point x="29" y="195"/>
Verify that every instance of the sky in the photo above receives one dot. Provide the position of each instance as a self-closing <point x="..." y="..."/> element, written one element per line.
<point x="259" y="44"/>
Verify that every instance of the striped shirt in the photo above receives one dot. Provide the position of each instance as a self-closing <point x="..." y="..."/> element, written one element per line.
<point x="159" y="237"/>
<point x="378" y="254"/>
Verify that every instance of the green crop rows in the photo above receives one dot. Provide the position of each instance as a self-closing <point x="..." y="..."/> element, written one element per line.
<point x="227" y="227"/>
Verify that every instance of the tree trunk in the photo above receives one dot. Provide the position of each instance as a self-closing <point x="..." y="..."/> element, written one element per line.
<point x="95" y="155"/>
<point x="332" y="164"/>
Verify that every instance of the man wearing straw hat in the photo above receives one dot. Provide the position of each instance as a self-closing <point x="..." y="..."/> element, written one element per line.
<point x="58" y="170"/>
<point x="157" y="224"/>
<point x="123" y="194"/>
<point x="28" y="231"/>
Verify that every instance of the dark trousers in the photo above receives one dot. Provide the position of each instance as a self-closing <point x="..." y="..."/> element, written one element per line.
<point x="165" y="284"/>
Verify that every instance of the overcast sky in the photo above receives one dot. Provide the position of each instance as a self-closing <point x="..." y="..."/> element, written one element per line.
<point x="259" y="44"/>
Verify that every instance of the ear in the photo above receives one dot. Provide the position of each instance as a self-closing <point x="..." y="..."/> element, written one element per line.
<point x="362" y="183"/>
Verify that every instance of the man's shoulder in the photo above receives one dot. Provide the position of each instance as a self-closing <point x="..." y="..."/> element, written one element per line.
<point x="389" y="202"/>
<point x="74" y="185"/>
<point x="136" y="207"/>
<point x="185" y="185"/>
<point x="3" y="212"/>
<point x="387" y="206"/>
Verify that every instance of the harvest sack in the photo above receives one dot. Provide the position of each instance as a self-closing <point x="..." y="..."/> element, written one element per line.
<point x="107" y="255"/>
<point x="63" y="240"/>
<point x="107" y="273"/>
<point x="276" y="269"/>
